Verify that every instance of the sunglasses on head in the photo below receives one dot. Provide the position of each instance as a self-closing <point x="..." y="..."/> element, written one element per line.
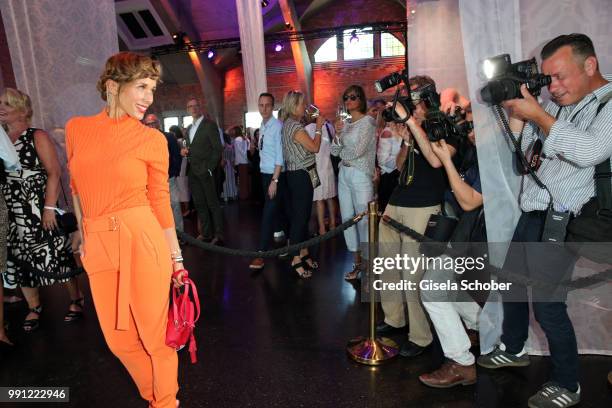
<point x="351" y="97"/>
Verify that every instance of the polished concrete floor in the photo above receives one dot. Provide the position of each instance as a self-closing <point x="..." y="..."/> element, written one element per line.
<point x="264" y="340"/>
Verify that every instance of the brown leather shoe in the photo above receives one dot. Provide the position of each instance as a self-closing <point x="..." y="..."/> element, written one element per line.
<point x="474" y="337"/>
<point x="449" y="375"/>
<point x="258" y="263"/>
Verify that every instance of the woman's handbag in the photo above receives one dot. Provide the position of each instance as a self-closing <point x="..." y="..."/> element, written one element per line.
<point x="314" y="175"/>
<point x="182" y="317"/>
<point x="66" y="220"/>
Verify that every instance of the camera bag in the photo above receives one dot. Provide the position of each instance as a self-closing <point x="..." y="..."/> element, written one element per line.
<point x="594" y="223"/>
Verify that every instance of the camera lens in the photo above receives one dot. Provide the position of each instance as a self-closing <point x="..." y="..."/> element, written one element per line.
<point x="501" y="90"/>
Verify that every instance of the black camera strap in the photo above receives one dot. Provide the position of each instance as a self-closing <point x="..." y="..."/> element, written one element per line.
<point x="602" y="171"/>
<point x="501" y="117"/>
<point x="407" y="173"/>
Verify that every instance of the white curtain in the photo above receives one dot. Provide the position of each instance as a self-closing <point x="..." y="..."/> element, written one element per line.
<point x="58" y="49"/>
<point x="250" y="22"/>
<point x="520" y="28"/>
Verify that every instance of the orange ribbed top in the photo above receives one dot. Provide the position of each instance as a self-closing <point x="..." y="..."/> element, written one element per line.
<point x="117" y="164"/>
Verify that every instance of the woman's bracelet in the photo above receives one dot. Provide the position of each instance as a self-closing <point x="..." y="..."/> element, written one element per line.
<point x="176" y="256"/>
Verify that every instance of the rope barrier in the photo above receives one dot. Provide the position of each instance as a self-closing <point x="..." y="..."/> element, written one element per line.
<point x="221" y="250"/>
<point x="522" y="280"/>
<point x="274" y="252"/>
<point x="579" y="283"/>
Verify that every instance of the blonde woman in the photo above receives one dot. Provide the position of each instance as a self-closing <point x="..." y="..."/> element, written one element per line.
<point x="300" y="164"/>
<point x="36" y="246"/>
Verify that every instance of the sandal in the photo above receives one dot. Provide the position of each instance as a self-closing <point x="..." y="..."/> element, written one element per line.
<point x="312" y="264"/>
<point x="32" y="324"/>
<point x="74" y="315"/>
<point x="354" y="274"/>
<point x="305" y="273"/>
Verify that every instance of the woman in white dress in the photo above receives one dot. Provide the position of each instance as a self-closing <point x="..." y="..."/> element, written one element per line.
<point x="327" y="191"/>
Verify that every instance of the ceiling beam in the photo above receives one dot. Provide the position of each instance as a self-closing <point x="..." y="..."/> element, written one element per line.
<point x="300" y="53"/>
<point x="210" y="80"/>
<point x="314" y="7"/>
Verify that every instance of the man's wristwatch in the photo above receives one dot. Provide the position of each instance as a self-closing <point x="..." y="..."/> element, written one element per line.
<point x="275" y="180"/>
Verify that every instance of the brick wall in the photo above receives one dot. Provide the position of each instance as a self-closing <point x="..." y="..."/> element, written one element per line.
<point x="330" y="79"/>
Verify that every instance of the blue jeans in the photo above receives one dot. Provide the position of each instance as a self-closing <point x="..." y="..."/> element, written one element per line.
<point x="552" y="316"/>
<point x="270" y="219"/>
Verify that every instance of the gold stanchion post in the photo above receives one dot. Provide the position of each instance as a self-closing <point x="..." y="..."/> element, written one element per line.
<point x="372" y="350"/>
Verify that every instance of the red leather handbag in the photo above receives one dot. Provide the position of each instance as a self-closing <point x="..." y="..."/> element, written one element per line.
<point x="182" y="316"/>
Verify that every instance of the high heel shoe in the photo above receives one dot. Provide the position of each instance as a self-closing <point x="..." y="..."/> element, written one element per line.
<point x="31" y="325"/>
<point x="305" y="273"/>
<point x="74" y="315"/>
<point x="354" y="274"/>
<point x="312" y="264"/>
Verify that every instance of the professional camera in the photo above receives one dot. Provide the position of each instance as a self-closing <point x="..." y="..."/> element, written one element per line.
<point x="506" y="78"/>
<point x="437" y="124"/>
<point x="460" y="122"/>
<point x="390" y="81"/>
<point x="390" y="114"/>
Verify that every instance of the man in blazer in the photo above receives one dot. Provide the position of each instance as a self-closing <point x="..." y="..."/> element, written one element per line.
<point x="204" y="154"/>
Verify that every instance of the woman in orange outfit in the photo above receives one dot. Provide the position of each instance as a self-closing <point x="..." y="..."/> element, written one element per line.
<point x="119" y="177"/>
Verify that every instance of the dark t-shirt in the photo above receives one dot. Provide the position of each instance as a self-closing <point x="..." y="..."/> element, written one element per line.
<point x="427" y="187"/>
<point x="472" y="178"/>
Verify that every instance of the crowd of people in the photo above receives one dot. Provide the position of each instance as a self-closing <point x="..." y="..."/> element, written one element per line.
<point x="290" y="164"/>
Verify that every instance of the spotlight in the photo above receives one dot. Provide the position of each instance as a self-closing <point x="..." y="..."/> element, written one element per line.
<point x="354" y="38"/>
<point x="264" y="3"/>
<point x="211" y="54"/>
<point x="413" y="11"/>
<point x="288" y="26"/>
<point x="179" y="38"/>
<point x="278" y="47"/>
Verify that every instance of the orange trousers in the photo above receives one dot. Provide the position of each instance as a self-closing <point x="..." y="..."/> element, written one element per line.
<point x="129" y="268"/>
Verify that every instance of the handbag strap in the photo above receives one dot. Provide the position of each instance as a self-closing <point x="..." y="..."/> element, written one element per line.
<point x="603" y="187"/>
<point x="196" y="299"/>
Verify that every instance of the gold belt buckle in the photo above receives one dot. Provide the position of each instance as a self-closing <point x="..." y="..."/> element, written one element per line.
<point x="113" y="224"/>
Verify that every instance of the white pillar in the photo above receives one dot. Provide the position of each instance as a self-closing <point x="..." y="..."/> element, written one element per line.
<point x="58" y="50"/>
<point x="250" y="22"/>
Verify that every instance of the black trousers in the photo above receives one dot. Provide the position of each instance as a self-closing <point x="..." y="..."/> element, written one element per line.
<point x="206" y="203"/>
<point x="387" y="184"/>
<point x="270" y="220"/>
<point x="552" y="316"/>
<point x="300" y="193"/>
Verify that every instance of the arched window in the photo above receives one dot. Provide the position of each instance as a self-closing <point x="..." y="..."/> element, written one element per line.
<point x="328" y="51"/>
<point x="390" y="46"/>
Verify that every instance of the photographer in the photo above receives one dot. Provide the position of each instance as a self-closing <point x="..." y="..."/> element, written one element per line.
<point x="575" y="138"/>
<point x="419" y="195"/>
<point x="445" y="310"/>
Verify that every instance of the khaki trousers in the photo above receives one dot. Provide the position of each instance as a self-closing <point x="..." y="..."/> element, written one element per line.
<point x="391" y="244"/>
